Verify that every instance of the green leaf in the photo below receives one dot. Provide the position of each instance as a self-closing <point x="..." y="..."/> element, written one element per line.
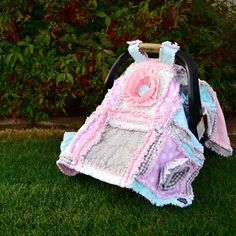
<point x="41" y="100"/>
<point x="20" y="57"/>
<point x="60" y="78"/>
<point x="70" y="78"/>
<point x="109" y="52"/>
<point x="31" y="48"/>
<point x="47" y="38"/>
<point x="29" y="110"/>
<point x="99" y="58"/>
<point x="73" y="95"/>
<point x="41" y="52"/>
<point x="13" y="61"/>
<point x="70" y="28"/>
<point x="83" y="70"/>
<point x="94" y="2"/>
<point x="26" y="51"/>
<point x="19" y="16"/>
<point x="118" y="13"/>
<point x="101" y="14"/>
<point x="22" y="43"/>
<point x="107" y="21"/>
<point x="77" y="69"/>
<point x="14" y="95"/>
<point x="9" y="57"/>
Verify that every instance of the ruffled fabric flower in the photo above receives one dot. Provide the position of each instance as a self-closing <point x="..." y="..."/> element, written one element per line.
<point x="141" y="88"/>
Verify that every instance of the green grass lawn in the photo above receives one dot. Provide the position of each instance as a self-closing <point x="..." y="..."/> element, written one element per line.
<point x="37" y="199"/>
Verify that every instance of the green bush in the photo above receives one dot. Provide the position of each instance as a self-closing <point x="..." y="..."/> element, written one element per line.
<point x="55" y="55"/>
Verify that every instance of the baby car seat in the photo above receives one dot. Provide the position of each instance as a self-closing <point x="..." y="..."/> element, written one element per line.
<point x="145" y="134"/>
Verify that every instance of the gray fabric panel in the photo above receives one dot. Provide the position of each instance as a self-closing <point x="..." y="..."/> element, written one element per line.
<point x="115" y="150"/>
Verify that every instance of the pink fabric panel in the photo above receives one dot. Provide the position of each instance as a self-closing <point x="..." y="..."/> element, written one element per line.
<point x="220" y="135"/>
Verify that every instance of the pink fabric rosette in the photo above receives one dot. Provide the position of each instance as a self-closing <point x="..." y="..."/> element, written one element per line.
<point x="141" y="89"/>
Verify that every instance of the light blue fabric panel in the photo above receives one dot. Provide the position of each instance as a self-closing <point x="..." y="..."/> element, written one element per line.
<point x="180" y="118"/>
<point x="191" y="154"/>
<point x="167" y="52"/>
<point x="185" y="96"/>
<point x="147" y="193"/>
<point x="206" y="98"/>
<point x="133" y="50"/>
<point x="67" y="138"/>
<point x="196" y="142"/>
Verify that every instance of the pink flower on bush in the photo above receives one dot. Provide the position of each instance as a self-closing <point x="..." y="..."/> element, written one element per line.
<point x="141" y="88"/>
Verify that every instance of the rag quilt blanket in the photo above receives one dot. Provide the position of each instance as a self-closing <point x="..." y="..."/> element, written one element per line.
<point x="139" y="138"/>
